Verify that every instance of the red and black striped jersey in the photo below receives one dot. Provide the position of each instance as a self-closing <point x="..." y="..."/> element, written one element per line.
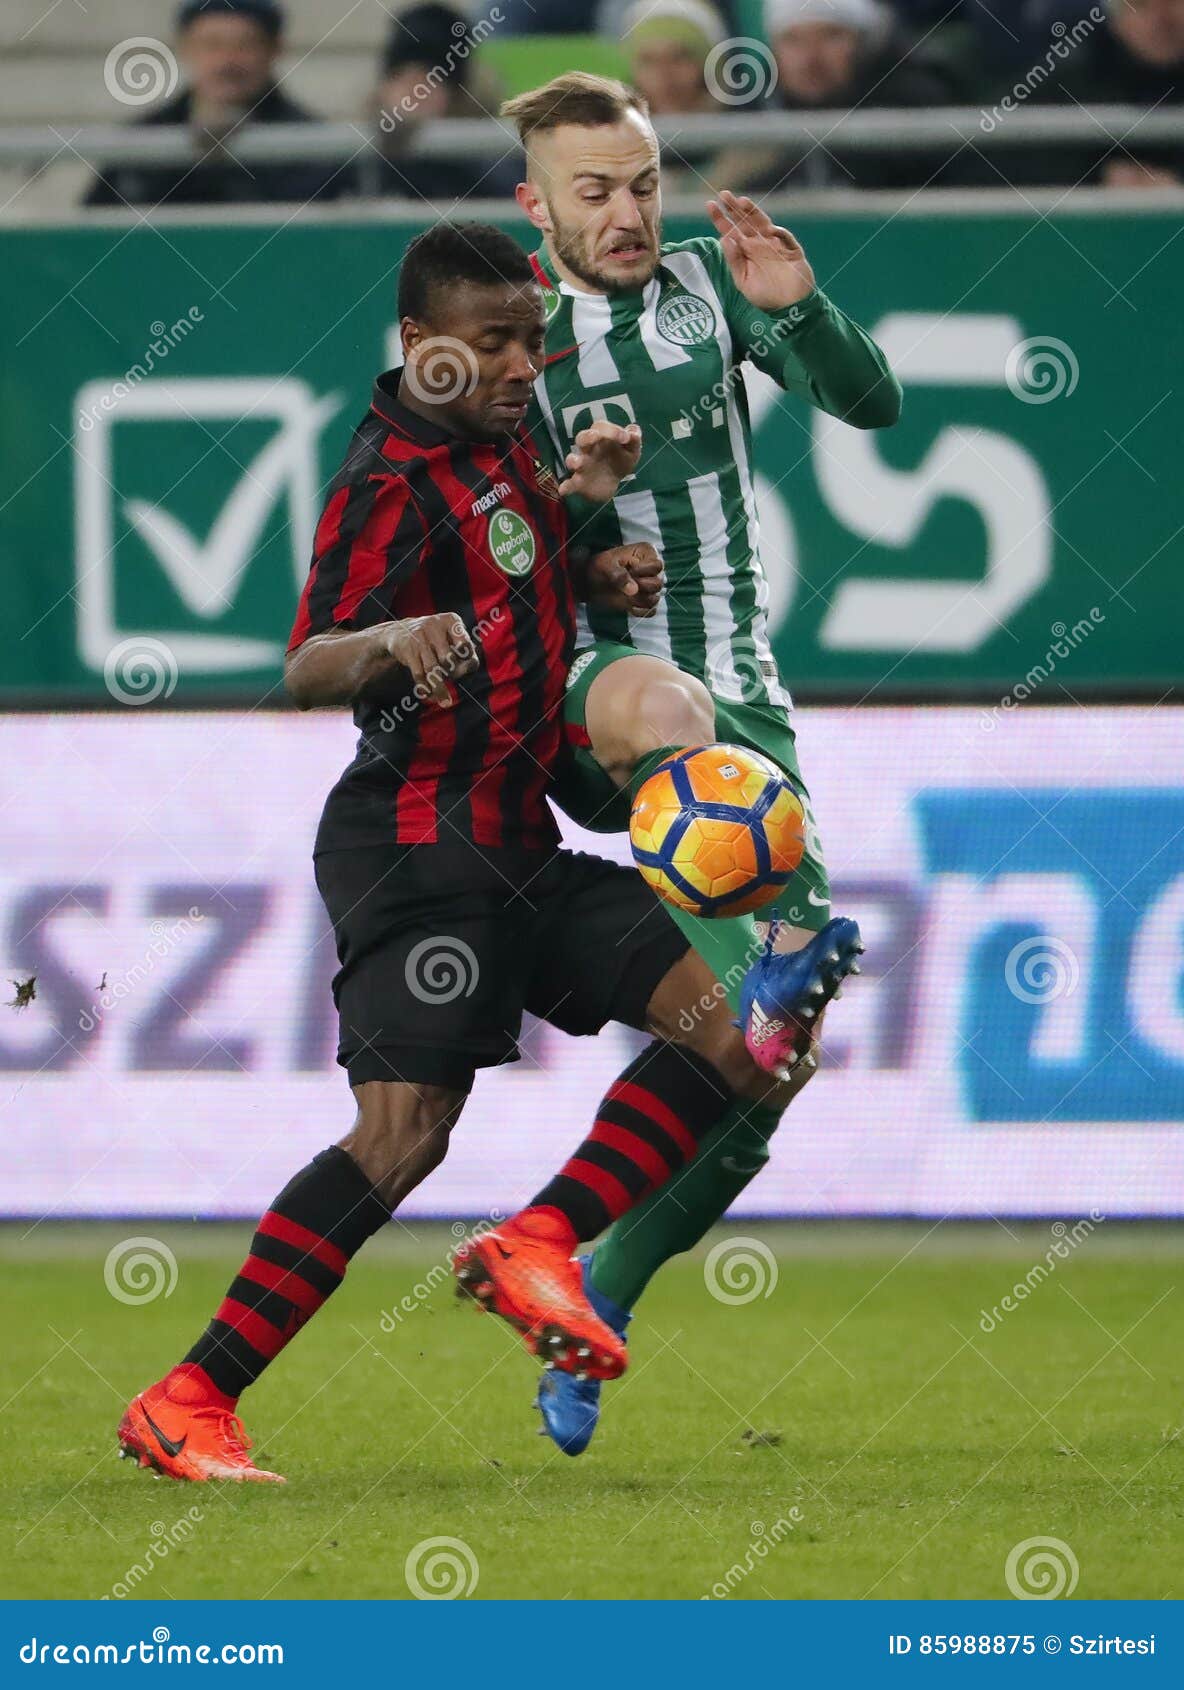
<point x="419" y="521"/>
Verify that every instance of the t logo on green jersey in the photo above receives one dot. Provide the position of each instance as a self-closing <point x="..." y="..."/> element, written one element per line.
<point x="511" y="541"/>
<point x="617" y="408"/>
<point x="685" y="319"/>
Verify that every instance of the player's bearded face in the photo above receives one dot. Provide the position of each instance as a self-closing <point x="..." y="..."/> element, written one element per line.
<point x="614" y="260"/>
<point x="603" y="202"/>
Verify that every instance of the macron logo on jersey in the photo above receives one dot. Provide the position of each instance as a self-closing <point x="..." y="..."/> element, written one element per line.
<point x="494" y="496"/>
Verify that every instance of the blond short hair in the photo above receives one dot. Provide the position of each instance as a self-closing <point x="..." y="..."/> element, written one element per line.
<point x="577" y="97"/>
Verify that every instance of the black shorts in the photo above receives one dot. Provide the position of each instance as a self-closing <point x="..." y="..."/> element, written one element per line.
<point x="441" y="949"/>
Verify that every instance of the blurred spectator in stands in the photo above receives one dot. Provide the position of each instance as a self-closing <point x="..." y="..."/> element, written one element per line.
<point x="429" y="71"/>
<point x="1136" y="57"/>
<point x="1124" y="52"/>
<point x="837" y="56"/>
<point x="584" y="17"/>
<point x="548" y="17"/>
<point x="229" y="50"/>
<point x="667" y="42"/>
<point x="975" y="39"/>
<point x="669" y="45"/>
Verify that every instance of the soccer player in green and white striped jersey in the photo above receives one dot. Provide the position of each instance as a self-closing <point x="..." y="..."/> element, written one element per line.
<point x="657" y="333"/>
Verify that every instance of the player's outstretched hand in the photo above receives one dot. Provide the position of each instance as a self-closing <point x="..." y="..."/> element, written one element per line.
<point x="627" y="578"/>
<point x="436" y="650"/>
<point x="602" y="455"/>
<point x="767" y="263"/>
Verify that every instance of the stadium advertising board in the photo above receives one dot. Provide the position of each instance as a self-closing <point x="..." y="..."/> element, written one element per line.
<point x="175" y="408"/>
<point x="1015" y="1046"/>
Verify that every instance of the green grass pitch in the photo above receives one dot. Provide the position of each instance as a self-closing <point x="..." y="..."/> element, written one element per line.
<point x="856" y="1433"/>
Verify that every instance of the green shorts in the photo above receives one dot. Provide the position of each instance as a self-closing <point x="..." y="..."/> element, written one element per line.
<point x="585" y="793"/>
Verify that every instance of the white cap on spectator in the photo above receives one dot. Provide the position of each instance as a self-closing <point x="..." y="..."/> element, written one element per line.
<point x="690" y="17"/>
<point x="867" y="17"/>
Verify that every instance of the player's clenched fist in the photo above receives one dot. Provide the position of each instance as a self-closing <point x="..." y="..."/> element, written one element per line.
<point x="627" y="578"/>
<point x="602" y="455"/>
<point x="436" y="650"/>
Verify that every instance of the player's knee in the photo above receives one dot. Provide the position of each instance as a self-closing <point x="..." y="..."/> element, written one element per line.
<point x="640" y="705"/>
<point x="400" y="1135"/>
<point x="675" y="710"/>
<point x="396" y="1160"/>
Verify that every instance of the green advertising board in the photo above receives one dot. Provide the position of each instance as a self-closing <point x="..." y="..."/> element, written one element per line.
<point x="174" y="398"/>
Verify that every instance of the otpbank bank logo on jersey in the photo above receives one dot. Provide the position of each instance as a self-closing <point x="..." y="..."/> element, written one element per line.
<point x="1060" y="920"/>
<point x="196" y="501"/>
<point x="511" y="542"/>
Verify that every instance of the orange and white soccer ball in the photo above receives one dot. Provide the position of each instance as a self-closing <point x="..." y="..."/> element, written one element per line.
<point x="717" y="830"/>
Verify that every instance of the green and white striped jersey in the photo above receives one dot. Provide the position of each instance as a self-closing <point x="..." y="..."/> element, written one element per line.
<point x="669" y="359"/>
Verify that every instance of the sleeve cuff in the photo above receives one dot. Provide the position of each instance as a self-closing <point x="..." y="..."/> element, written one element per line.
<point x="803" y="314"/>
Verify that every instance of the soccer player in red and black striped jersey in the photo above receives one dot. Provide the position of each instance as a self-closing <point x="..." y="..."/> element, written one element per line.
<point x="440" y="605"/>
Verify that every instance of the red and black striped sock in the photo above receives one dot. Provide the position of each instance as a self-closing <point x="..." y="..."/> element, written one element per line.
<point x="649" y="1124"/>
<point x="298" y="1258"/>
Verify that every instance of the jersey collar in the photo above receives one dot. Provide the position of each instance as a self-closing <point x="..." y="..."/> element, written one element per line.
<point x="385" y="403"/>
<point x="548" y="277"/>
<point x="545" y="273"/>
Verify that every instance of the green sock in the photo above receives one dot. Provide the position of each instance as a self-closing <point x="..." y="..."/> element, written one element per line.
<point x="676" y="1216"/>
<point x="728" y="947"/>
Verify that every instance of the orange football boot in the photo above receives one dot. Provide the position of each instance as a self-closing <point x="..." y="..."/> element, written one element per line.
<point x="523" y="1270"/>
<point x="187" y="1429"/>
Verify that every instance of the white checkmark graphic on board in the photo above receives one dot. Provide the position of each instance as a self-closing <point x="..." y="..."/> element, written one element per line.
<point x="205" y="573"/>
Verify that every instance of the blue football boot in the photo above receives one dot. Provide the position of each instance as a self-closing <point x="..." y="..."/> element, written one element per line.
<point x="784" y="992"/>
<point x="570" y="1406"/>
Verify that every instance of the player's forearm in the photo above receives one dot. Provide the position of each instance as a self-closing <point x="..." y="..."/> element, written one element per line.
<point x="338" y="668"/>
<point x="579" y="560"/>
<point x="845" y="371"/>
<point x="591" y="528"/>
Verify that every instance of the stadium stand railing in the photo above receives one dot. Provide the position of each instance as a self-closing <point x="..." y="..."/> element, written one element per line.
<point x="484" y="138"/>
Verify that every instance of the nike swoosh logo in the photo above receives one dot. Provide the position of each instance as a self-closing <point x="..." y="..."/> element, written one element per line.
<point x="734" y="1167"/>
<point x="813" y="898"/>
<point x="165" y="1443"/>
<point x="504" y="1254"/>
